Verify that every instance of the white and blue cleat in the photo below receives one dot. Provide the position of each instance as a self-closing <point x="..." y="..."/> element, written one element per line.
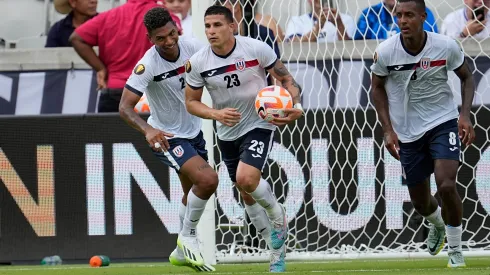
<point x="277" y="260"/>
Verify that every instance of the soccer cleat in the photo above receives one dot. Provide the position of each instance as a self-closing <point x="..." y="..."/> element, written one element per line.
<point x="177" y="258"/>
<point x="279" y="232"/>
<point x="435" y="240"/>
<point x="190" y="248"/>
<point x="277" y="259"/>
<point x="456" y="259"/>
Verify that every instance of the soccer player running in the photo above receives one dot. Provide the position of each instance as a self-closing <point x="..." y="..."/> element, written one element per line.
<point x="233" y="69"/>
<point x="174" y="135"/>
<point x="420" y="119"/>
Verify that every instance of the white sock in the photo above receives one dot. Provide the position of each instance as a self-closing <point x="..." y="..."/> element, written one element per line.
<point x="195" y="207"/>
<point x="263" y="195"/>
<point x="436" y="218"/>
<point x="182" y="209"/>
<point x="259" y="220"/>
<point x="454" y="237"/>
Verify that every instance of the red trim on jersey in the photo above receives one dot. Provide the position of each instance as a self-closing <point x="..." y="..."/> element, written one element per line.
<point x="228" y="68"/>
<point x="435" y="63"/>
<point x="175" y="72"/>
<point x="248" y="64"/>
<point x="180" y="70"/>
<point x="438" y="63"/>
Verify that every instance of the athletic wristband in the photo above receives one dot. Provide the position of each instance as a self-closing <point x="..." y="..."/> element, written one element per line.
<point x="299" y="107"/>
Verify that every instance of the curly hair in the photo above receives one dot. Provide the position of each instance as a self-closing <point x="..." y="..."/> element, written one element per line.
<point x="156" y="18"/>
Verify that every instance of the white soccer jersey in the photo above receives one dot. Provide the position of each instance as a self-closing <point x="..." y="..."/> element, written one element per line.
<point x="456" y="21"/>
<point x="233" y="81"/>
<point x="419" y="96"/>
<point x="303" y="24"/>
<point x="163" y="82"/>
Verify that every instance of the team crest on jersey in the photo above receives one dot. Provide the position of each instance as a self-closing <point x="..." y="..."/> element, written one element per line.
<point x="375" y="57"/>
<point x="178" y="151"/>
<point x="188" y="66"/>
<point x="140" y="69"/>
<point x="425" y="63"/>
<point x="240" y="64"/>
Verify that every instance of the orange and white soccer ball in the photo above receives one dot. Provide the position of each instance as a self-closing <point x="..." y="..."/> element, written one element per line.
<point x="271" y="102"/>
<point x="142" y="106"/>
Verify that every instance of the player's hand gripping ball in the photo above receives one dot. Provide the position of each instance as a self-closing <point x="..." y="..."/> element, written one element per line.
<point x="271" y="102"/>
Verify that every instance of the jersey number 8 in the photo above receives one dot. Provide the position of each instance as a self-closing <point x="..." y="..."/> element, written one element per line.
<point x="452" y="138"/>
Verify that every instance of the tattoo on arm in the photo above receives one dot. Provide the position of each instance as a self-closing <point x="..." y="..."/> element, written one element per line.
<point x="288" y="81"/>
<point x="295" y="84"/>
<point x="280" y="69"/>
<point x="204" y="166"/>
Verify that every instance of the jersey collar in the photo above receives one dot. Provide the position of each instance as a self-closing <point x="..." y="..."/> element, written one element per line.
<point x="168" y="60"/>
<point x="228" y="54"/>
<point x="421" y="49"/>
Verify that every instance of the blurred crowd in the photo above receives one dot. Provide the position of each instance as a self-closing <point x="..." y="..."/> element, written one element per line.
<point x="321" y="24"/>
<point x="121" y="36"/>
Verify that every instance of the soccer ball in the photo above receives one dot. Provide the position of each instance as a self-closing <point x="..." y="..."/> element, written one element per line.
<point x="271" y="102"/>
<point x="142" y="106"/>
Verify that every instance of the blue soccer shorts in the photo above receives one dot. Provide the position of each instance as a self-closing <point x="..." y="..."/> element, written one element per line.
<point x="181" y="150"/>
<point x="417" y="157"/>
<point x="253" y="148"/>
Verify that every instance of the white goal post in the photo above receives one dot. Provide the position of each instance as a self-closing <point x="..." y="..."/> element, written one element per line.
<point x="341" y="189"/>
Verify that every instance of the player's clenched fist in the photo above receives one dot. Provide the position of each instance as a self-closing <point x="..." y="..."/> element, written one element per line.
<point x="228" y="116"/>
<point x="391" y="143"/>
<point x="466" y="130"/>
<point x="157" y="139"/>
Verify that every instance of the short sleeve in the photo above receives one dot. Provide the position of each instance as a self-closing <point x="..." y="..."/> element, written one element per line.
<point x="350" y="25"/>
<point x="193" y="77"/>
<point x="53" y="37"/>
<point x="455" y="56"/>
<point x="451" y="27"/>
<point x="379" y="67"/>
<point x="265" y="55"/>
<point x="293" y="28"/>
<point x="140" y="78"/>
<point x="89" y="31"/>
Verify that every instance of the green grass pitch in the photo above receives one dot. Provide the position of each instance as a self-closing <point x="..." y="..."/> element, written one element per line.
<point x="476" y="266"/>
